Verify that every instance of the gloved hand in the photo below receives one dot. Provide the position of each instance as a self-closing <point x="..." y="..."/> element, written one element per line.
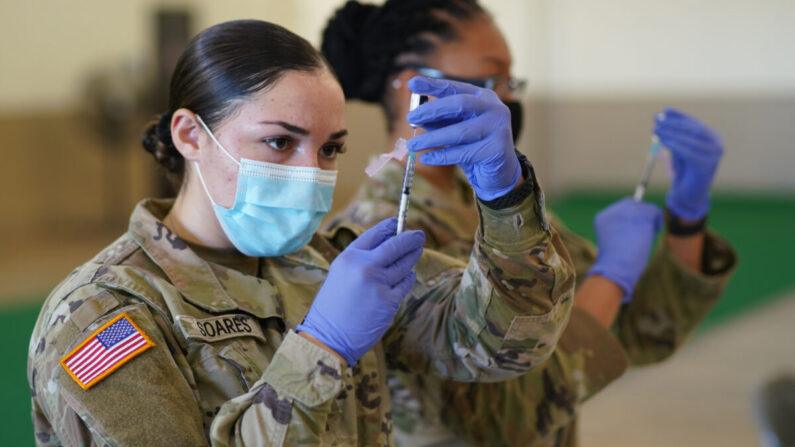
<point x="363" y="290"/>
<point x="625" y="232"/>
<point x="695" y="151"/>
<point x="474" y="126"/>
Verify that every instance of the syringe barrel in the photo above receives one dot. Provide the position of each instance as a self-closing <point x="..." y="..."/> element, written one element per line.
<point x="405" y="195"/>
<point x="416" y="101"/>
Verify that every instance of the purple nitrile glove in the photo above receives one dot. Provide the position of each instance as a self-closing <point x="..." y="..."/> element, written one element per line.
<point x="363" y="290"/>
<point x="473" y="128"/>
<point x="625" y="232"/>
<point x="696" y="151"/>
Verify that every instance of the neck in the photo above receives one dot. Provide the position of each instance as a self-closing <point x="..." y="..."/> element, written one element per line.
<point x="193" y="219"/>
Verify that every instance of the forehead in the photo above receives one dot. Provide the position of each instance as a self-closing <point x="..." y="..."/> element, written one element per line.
<point x="480" y="51"/>
<point x="301" y="97"/>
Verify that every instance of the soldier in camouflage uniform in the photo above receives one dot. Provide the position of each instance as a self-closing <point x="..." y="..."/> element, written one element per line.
<point x="375" y="49"/>
<point x="539" y="408"/>
<point x="222" y="348"/>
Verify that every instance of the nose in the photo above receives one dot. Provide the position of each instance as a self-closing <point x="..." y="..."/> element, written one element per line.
<point x="305" y="158"/>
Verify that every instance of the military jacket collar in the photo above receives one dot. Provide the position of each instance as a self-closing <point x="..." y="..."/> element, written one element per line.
<point x="196" y="280"/>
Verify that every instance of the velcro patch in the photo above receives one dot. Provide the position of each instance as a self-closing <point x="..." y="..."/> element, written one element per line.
<point x="220" y="328"/>
<point x="105" y="351"/>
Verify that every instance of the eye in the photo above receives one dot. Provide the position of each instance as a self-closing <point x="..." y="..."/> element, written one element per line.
<point x="330" y="151"/>
<point x="278" y="143"/>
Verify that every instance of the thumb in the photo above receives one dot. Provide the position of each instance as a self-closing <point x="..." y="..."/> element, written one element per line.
<point x="376" y="235"/>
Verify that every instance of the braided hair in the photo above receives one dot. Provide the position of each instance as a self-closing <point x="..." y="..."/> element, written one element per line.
<point x="363" y="42"/>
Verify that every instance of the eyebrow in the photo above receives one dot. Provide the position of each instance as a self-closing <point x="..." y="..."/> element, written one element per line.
<point x="338" y="134"/>
<point x="302" y="131"/>
<point x="500" y="63"/>
<point x="288" y="126"/>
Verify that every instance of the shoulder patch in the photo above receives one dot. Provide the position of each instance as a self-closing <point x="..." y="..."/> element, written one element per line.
<point x="105" y="351"/>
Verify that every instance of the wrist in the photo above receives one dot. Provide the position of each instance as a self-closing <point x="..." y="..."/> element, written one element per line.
<point x="600" y="297"/>
<point x="679" y="226"/>
<point x="624" y="282"/>
<point x="521" y="189"/>
<point x="496" y="193"/>
<point x="312" y="339"/>
<point x="690" y="208"/>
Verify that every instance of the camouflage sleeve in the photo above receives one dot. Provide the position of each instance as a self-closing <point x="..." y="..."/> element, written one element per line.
<point x="118" y="410"/>
<point x="289" y="405"/>
<point x="671" y="299"/>
<point x="496" y="317"/>
<point x="581" y="250"/>
<point x="528" y="409"/>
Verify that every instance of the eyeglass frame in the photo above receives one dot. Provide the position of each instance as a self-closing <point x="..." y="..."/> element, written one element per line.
<point x="515" y="86"/>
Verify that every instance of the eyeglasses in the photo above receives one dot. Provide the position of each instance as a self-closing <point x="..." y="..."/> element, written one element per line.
<point x="499" y="84"/>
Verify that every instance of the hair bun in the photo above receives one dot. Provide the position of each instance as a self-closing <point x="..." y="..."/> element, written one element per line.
<point x="343" y="46"/>
<point x="156" y="139"/>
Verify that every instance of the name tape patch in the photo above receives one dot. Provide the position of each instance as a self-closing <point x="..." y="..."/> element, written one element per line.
<point x="105" y="351"/>
<point x="220" y="328"/>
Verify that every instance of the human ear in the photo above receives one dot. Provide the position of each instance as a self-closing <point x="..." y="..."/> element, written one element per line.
<point x="185" y="133"/>
<point x="400" y="82"/>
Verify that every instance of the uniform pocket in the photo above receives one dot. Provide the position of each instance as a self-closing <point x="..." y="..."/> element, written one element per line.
<point x="244" y="356"/>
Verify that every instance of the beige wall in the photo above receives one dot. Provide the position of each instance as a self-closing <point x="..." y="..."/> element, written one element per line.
<point x="570" y="48"/>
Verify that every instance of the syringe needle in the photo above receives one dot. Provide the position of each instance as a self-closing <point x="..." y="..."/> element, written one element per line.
<point x="640" y="189"/>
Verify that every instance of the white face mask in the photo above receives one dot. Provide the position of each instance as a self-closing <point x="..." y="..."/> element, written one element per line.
<point x="277" y="208"/>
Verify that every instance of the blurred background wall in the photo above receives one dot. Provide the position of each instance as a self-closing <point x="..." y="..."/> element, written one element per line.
<point x="79" y="78"/>
<point x="598" y="71"/>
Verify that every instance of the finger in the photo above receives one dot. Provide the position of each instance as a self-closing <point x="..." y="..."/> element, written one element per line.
<point x="622" y="207"/>
<point x="671" y="113"/>
<point x="398" y="246"/>
<point x="676" y="119"/>
<point x="648" y="211"/>
<point x="669" y="137"/>
<point x="629" y="207"/>
<point x="441" y="88"/>
<point x="439" y="124"/>
<point x="397" y="271"/>
<point x="696" y="130"/>
<point x="376" y="235"/>
<point x="465" y="132"/>
<point x="448" y="156"/>
<point x="688" y="147"/>
<point x="450" y="109"/>
<point x="403" y="288"/>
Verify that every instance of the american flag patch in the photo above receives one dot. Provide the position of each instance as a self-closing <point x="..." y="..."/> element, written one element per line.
<point x="107" y="349"/>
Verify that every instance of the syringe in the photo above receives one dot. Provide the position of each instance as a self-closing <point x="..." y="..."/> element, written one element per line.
<point x="640" y="190"/>
<point x="408" y="173"/>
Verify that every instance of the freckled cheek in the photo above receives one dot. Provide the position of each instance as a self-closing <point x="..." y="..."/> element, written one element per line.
<point x="328" y="165"/>
<point x="230" y="186"/>
<point x="226" y="188"/>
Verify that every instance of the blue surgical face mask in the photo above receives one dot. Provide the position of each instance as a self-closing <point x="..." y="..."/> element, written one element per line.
<point x="277" y="208"/>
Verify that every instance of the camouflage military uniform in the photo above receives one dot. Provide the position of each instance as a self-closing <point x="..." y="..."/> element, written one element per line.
<point x="227" y="368"/>
<point x="538" y="408"/>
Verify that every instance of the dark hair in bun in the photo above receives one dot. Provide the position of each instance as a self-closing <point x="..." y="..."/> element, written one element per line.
<point x="362" y="42"/>
<point x="224" y="63"/>
<point x="156" y="139"/>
